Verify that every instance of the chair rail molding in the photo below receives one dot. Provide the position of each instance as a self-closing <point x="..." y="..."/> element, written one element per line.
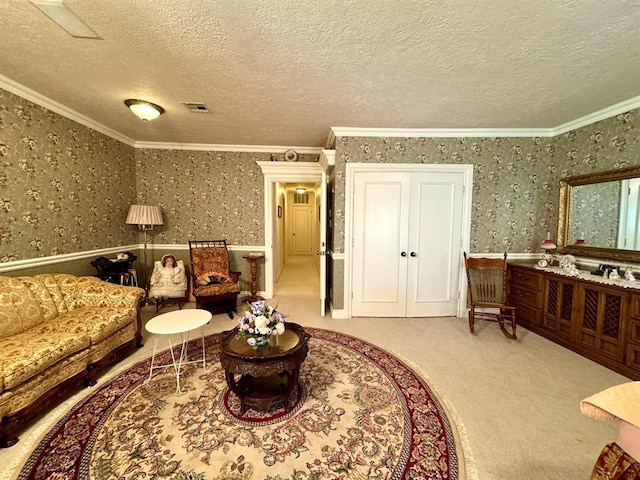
<point x="66" y="257"/>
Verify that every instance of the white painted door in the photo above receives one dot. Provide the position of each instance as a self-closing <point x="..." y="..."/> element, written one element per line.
<point x="407" y="235"/>
<point x="322" y="244"/>
<point x="435" y="235"/>
<point x="380" y="231"/>
<point x="301" y="229"/>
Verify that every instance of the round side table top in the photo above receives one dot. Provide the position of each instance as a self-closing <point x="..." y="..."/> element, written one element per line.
<point x="178" y="321"/>
<point x="290" y="342"/>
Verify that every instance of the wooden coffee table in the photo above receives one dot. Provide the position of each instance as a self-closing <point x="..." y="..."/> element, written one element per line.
<point x="267" y="376"/>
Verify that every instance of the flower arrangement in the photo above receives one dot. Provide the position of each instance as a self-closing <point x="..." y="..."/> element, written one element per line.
<point x="260" y="321"/>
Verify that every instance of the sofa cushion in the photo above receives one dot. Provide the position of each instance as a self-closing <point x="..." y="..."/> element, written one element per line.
<point x="96" y="323"/>
<point x="27" y="354"/>
<point x="42" y="295"/>
<point x="50" y="282"/>
<point x="19" y="309"/>
<point x="93" y="292"/>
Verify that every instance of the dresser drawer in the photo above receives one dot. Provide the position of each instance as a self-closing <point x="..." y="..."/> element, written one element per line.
<point x="519" y="295"/>
<point x="525" y="277"/>
<point x="528" y="316"/>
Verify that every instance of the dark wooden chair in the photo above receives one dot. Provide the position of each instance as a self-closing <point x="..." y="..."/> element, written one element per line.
<point x="487" y="289"/>
<point x="214" y="285"/>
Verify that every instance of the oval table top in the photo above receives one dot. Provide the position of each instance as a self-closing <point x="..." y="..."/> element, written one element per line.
<point x="178" y="321"/>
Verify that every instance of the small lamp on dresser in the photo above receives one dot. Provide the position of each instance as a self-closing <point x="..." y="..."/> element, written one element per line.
<point x="547" y="245"/>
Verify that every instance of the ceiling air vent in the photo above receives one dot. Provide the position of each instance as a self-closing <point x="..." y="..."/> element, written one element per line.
<point x="196" y="107"/>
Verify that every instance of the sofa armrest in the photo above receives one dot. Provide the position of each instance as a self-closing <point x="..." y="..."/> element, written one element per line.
<point x="235" y="276"/>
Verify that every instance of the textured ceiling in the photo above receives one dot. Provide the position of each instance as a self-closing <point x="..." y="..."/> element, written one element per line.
<point x="282" y="72"/>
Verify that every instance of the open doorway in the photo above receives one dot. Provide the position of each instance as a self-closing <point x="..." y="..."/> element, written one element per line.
<point x="296" y="237"/>
<point x="276" y="175"/>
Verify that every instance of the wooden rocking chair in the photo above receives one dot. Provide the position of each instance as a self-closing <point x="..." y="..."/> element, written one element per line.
<point x="487" y="288"/>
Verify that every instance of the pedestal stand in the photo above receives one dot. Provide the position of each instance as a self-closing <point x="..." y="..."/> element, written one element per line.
<point x="252" y="258"/>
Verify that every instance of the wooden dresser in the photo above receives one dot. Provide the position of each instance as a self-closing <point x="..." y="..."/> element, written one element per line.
<point x="598" y="320"/>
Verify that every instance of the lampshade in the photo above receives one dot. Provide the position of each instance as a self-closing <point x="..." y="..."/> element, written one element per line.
<point x="547" y="243"/>
<point x="143" y="109"/>
<point x="145" y="215"/>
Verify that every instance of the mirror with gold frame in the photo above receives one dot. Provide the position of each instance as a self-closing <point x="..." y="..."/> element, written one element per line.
<point x="599" y="215"/>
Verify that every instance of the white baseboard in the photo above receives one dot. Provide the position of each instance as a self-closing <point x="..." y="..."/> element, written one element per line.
<point x="339" y="313"/>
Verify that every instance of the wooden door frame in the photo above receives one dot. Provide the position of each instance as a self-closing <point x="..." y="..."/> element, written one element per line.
<point x="280" y="172"/>
<point x="354" y="168"/>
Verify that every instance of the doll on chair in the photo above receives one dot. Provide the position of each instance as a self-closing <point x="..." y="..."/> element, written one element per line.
<point x="168" y="279"/>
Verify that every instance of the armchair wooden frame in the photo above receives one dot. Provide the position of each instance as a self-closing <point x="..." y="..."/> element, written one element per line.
<point x="226" y="299"/>
<point x="487" y="289"/>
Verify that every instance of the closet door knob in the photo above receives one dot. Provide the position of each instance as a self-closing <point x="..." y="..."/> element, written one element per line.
<point x="414" y="254"/>
<point x="403" y="254"/>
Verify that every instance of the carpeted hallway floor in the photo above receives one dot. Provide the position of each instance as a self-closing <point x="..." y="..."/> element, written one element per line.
<point x="518" y="400"/>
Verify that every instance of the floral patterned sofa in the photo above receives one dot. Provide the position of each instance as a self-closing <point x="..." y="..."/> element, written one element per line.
<point x="56" y="332"/>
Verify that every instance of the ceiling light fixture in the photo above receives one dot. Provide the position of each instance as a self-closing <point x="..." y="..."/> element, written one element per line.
<point x="143" y="109"/>
<point x="57" y="11"/>
<point x="301" y="190"/>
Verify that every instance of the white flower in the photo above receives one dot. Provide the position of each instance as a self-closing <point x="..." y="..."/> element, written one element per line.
<point x="261" y="321"/>
<point x="280" y="328"/>
<point x="264" y="330"/>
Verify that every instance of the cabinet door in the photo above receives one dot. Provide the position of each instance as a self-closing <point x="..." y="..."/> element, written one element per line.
<point x="559" y="297"/>
<point x="632" y="356"/>
<point x="601" y="318"/>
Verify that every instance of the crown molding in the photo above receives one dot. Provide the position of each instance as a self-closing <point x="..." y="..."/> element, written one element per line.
<point x="330" y="143"/>
<point x="441" y="132"/>
<point x="594" y="117"/>
<point x="227" y="148"/>
<point x="31" y="95"/>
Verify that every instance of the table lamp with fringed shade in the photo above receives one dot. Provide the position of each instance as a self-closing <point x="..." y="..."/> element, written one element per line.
<point x="547" y="245"/>
<point x="146" y="217"/>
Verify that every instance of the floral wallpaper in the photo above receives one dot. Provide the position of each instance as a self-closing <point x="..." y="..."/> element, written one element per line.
<point x="515" y="180"/>
<point x="64" y="187"/>
<point x="594" y="214"/>
<point x="205" y="194"/>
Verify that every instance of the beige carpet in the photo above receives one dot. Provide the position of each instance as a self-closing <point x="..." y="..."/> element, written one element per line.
<point x="518" y="400"/>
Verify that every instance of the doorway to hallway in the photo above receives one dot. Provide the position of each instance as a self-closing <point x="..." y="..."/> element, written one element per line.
<point x="299" y="278"/>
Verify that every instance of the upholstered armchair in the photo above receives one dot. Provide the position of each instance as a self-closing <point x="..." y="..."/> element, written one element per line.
<point x="215" y="286"/>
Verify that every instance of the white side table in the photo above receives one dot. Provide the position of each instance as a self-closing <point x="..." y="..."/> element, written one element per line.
<point x="177" y="322"/>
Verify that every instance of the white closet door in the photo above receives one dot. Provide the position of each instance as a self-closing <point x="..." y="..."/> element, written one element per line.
<point x="435" y="229"/>
<point x="380" y="230"/>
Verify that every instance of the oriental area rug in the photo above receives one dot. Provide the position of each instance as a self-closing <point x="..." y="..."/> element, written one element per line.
<point x="359" y="413"/>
